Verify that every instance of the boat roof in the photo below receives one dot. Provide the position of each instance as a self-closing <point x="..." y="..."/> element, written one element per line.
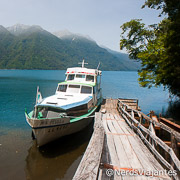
<point x="83" y="70"/>
<point x="80" y="70"/>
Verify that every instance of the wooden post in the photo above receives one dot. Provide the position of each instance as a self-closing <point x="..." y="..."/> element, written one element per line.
<point x="160" y="117"/>
<point x="151" y="128"/>
<point x="140" y="119"/>
<point x="137" y="104"/>
<point x="174" y="146"/>
<point x="151" y="114"/>
<point x="132" y="113"/>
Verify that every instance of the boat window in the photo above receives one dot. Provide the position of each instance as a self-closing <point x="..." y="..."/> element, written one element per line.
<point x="80" y="76"/>
<point x="73" y="89"/>
<point x="86" y="90"/>
<point x="62" y="88"/>
<point x="71" y="77"/>
<point x="90" y="78"/>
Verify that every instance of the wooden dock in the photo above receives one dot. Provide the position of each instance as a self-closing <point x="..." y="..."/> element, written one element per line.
<point x="119" y="148"/>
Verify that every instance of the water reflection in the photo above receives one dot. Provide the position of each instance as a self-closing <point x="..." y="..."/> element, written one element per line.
<point x="59" y="159"/>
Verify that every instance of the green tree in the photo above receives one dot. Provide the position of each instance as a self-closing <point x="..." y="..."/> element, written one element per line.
<point x="157" y="46"/>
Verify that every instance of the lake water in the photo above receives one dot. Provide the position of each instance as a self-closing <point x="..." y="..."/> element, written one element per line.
<point x="19" y="157"/>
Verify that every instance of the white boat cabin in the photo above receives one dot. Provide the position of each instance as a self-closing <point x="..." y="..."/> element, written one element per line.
<point x="81" y="81"/>
<point x="82" y="75"/>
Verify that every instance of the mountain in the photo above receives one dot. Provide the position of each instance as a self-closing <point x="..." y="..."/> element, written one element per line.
<point x="124" y="59"/>
<point x="19" y="29"/>
<point x="3" y="29"/>
<point x="82" y="43"/>
<point x="34" y="48"/>
<point x="6" y="38"/>
<point x="31" y="47"/>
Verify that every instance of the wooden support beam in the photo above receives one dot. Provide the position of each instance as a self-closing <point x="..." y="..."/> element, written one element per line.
<point x="171" y="124"/>
<point x="174" y="146"/>
<point x="169" y="143"/>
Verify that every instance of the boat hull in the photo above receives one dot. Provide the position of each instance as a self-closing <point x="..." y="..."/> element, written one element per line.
<point x="47" y="130"/>
<point x="49" y="134"/>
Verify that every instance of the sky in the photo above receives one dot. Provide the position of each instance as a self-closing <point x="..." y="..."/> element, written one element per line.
<point x="99" y="19"/>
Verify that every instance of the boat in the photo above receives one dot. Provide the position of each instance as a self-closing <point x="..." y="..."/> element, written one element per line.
<point x="70" y="109"/>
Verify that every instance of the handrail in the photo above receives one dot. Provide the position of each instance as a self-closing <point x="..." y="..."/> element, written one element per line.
<point x="144" y="133"/>
<point x="159" y="124"/>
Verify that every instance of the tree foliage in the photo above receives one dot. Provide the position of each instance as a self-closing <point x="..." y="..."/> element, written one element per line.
<point x="157" y="46"/>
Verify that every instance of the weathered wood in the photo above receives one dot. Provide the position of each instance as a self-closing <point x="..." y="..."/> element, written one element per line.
<point x="105" y="158"/>
<point x="131" y="155"/>
<point x="159" y="124"/>
<point x="89" y="165"/>
<point x="137" y="126"/>
<point x="163" y="145"/>
<point x="115" y="145"/>
<point x="163" y="126"/>
<point x="169" y="144"/>
<point x="171" y="124"/>
<point x="123" y="159"/>
<point x="174" y="146"/>
<point x="158" y="141"/>
<point x="151" y="128"/>
<point x="119" y="128"/>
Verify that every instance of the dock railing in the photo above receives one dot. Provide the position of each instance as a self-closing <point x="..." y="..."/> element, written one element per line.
<point x="146" y="128"/>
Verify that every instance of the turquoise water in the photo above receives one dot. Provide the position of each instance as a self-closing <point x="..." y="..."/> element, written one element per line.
<point x="18" y="91"/>
<point x="21" y="159"/>
<point x="124" y="84"/>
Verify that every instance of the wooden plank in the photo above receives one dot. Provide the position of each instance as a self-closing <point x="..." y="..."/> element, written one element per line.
<point x="125" y="128"/>
<point x="105" y="158"/>
<point x="169" y="143"/>
<point x="89" y="165"/>
<point x="143" y="154"/>
<point x="171" y="124"/>
<point x="122" y="156"/>
<point x="110" y="144"/>
<point x="140" y="155"/>
<point x="131" y="155"/>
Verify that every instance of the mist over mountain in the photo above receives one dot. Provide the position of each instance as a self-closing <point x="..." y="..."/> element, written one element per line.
<point x="19" y="29"/>
<point x="65" y="34"/>
<point x="31" y="47"/>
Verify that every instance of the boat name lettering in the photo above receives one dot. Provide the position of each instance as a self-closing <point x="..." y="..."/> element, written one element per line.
<point x="57" y="128"/>
<point x="57" y="121"/>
